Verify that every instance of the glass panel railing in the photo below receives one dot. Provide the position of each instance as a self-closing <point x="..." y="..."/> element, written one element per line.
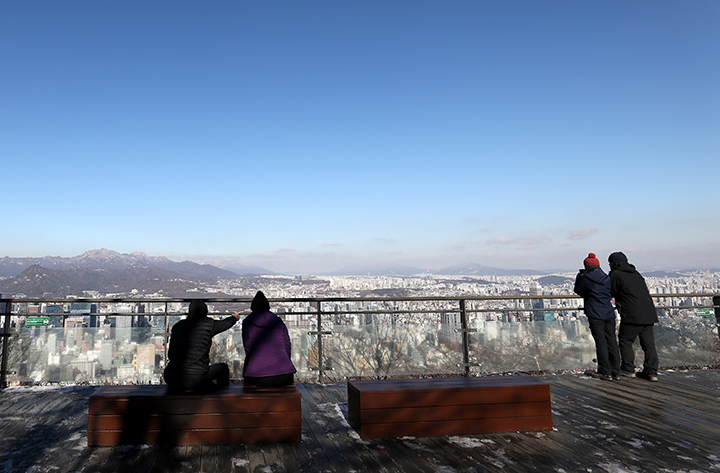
<point x="499" y="347"/>
<point x="691" y="341"/>
<point x="564" y="345"/>
<point x="227" y="347"/>
<point x="82" y="354"/>
<point x="386" y="350"/>
<point x="417" y="346"/>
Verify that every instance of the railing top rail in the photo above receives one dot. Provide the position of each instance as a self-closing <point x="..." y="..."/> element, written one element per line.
<point x="326" y="299"/>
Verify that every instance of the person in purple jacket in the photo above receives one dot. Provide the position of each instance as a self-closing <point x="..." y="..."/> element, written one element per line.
<point x="267" y="347"/>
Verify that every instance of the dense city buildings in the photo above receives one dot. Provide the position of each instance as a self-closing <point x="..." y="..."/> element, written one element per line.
<point x="387" y="325"/>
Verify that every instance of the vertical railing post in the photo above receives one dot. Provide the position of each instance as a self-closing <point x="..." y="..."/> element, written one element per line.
<point x="716" y="303"/>
<point x="465" y="330"/>
<point x="321" y="362"/>
<point x="320" y="355"/>
<point x="5" y="336"/>
<point x="465" y="337"/>
<point x="166" y="336"/>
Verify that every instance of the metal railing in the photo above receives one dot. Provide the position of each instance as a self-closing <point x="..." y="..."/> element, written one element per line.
<point x="321" y="313"/>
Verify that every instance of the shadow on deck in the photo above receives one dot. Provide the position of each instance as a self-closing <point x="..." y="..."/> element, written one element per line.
<point x="625" y="426"/>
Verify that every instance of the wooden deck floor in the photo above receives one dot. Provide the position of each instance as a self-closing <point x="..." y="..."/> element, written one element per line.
<point x="625" y="426"/>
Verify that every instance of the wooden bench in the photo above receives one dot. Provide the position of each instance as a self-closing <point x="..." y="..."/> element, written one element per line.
<point x="136" y="415"/>
<point x="448" y="406"/>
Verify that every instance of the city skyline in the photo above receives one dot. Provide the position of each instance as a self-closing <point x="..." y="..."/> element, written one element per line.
<point x="310" y="138"/>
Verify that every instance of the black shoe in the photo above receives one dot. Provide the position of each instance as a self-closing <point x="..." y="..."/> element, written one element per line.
<point x="616" y="377"/>
<point x="647" y="376"/>
<point x="627" y="374"/>
<point x="604" y="377"/>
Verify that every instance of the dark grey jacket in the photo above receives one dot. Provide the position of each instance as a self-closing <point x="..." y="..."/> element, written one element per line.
<point x="632" y="297"/>
<point x="190" y="343"/>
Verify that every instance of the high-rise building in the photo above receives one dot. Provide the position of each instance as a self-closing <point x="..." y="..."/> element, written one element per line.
<point x="449" y="324"/>
<point x="84" y="368"/>
<point x="106" y="354"/>
<point x="145" y="357"/>
<point x="123" y="328"/>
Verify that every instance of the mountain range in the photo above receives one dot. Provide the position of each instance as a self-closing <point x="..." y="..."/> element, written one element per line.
<point x="111" y="272"/>
<point x="112" y="260"/>
<point x="468" y="269"/>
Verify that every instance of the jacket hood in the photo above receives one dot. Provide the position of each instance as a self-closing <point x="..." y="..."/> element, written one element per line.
<point x="260" y="303"/>
<point x="625" y="267"/>
<point x="596" y="275"/>
<point x="263" y="319"/>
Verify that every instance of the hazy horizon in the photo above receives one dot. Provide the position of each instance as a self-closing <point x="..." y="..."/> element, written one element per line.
<point x="231" y="264"/>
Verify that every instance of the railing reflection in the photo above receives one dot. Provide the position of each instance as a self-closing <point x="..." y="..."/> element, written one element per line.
<point x="125" y="340"/>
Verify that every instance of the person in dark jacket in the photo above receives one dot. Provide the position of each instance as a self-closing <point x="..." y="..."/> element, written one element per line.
<point x="594" y="286"/>
<point x="637" y="317"/>
<point x="189" y="367"/>
<point x="267" y="347"/>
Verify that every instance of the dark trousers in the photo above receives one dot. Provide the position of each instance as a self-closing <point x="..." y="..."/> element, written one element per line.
<point x="626" y="336"/>
<point x="270" y="381"/>
<point x="218" y="376"/>
<point x="606" y="347"/>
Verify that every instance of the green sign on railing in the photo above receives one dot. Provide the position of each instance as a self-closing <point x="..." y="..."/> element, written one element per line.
<point x="706" y="312"/>
<point x="37" y="321"/>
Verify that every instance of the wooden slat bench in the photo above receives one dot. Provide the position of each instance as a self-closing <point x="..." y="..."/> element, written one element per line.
<point x="136" y="415"/>
<point x="448" y="406"/>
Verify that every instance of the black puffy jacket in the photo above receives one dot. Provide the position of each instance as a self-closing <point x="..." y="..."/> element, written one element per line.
<point x="632" y="297"/>
<point x="190" y="342"/>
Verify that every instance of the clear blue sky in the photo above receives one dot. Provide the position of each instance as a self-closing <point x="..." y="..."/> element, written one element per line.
<point x="312" y="136"/>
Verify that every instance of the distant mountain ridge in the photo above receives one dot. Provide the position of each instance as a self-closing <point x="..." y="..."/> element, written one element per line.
<point x="474" y="269"/>
<point x="112" y="260"/>
<point x="227" y="269"/>
<point x="239" y="267"/>
<point x="396" y="270"/>
<point x="468" y="269"/>
<point x="37" y="281"/>
<point x="110" y="272"/>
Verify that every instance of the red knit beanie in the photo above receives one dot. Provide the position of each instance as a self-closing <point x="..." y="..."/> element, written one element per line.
<point x="591" y="261"/>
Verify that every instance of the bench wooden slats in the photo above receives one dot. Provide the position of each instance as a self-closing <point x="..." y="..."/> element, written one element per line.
<point x="454" y="397"/>
<point x="131" y="415"/>
<point x="193" y="421"/>
<point x="441" y="413"/>
<point x="448" y="406"/>
<point x="454" y="427"/>
<point x="189" y="405"/>
<point x="109" y="438"/>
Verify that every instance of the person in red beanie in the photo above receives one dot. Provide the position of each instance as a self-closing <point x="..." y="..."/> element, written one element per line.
<point x="594" y="286"/>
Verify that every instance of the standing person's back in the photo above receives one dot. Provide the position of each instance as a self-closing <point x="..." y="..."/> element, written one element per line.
<point x="267" y="347"/>
<point x="637" y="316"/>
<point x="594" y="286"/>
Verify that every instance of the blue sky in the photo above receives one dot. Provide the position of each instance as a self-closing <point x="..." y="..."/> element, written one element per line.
<point x="312" y="136"/>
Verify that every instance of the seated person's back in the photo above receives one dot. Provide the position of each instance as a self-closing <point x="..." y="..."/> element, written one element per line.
<point x="267" y="347"/>
<point x="189" y="366"/>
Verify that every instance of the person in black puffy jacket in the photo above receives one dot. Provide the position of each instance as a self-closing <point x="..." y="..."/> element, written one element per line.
<point x="594" y="286"/>
<point x="637" y="317"/>
<point x="189" y="367"/>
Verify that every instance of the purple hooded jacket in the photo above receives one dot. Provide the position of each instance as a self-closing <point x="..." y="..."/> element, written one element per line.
<point x="267" y="346"/>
